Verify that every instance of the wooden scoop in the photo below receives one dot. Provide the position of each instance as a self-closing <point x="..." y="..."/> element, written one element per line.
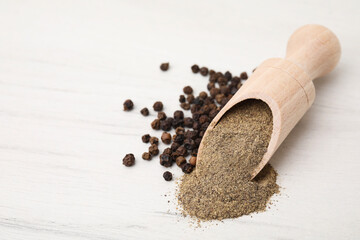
<point x="285" y="85"/>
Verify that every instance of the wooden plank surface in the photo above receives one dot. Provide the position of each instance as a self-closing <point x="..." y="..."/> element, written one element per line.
<point x="66" y="68"/>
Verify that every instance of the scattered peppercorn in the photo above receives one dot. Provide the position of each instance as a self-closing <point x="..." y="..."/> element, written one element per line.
<point x="187" y="168"/>
<point x="153" y="150"/>
<point x="195" y="68"/>
<point x="204" y="71"/>
<point x="244" y="75"/>
<point x="167" y="176"/>
<point x="185" y="106"/>
<point x="145" y="112"/>
<point x="128" y="105"/>
<point x="154" y="140"/>
<point x="166" y="125"/>
<point x="146" y="156"/>
<point x="129" y="160"/>
<point x="145" y="138"/>
<point x="155" y="124"/>
<point x="190" y="98"/>
<point x="164" y="66"/>
<point x="167" y="151"/>
<point x="161" y="115"/>
<point x="180" y="160"/>
<point x="188" y="90"/>
<point x="158" y="106"/>
<point x="166" y="160"/>
<point x="192" y="161"/>
<point x="182" y="98"/>
<point x="178" y="114"/>
<point x="166" y="138"/>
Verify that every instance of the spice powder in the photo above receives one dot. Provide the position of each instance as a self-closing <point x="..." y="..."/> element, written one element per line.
<point x="221" y="187"/>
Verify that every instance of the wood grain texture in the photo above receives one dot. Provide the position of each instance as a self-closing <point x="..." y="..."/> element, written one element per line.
<point x="66" y="68"/>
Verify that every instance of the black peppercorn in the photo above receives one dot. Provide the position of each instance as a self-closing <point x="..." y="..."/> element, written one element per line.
<point x="195" y="68"/>
<point x="214" y="92"/>
<point x="158" y="106"/>
<point x="185" y="106"/>
<point x="180" y="160"/>
<point x="203" y="119"/>
<point x="188" y="90"/>
<point x="167" y="151"/>
<point x="166" y="138"/>
<point x="144" y="112"/>
<point x="213" y="113"/>
<point x="190" y="98"/>
<point x="204" y="71"/>
<point x="222" y="81"/>
<point x="166" y="160"/>
<point x="203" y="95"/>
<point x="179" y="138"/>
<point x="178" y="123"/>
<point x="178" y="114"/>
<point x="192" y="161"/>
<point x="187" y="168"/>
<point x="228" y="75"/>
<point x="188" y="122"/>
<point x="129" y="160"/>
<point x="219" y="98"/>
<point x="146" y="156"/>
<point x="154" y="140"/>
<point x="182" y="151"/>
<point x="166" y="125"/>
<point x="167" y="176"/>
<point x="164" y="66"/>
<point x="191" y="134"/>
<point x="189" y="144"/>
<point x="244" y="75"/>
<point x="161" y="115"/>
<point x="179" y="130"/>
<point x="128" y="105"/>
<point x="196" y="126"/>
<point x="154" y="150"/>
<point x="210" y="86"/>
<point x="174" y="146"/>
<point x="145" y="138"/>
<point x="155" y="124"/>
<point x="182" y="98"/>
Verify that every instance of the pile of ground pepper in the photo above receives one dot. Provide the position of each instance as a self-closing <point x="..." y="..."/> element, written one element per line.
<point x="221" y="186"/>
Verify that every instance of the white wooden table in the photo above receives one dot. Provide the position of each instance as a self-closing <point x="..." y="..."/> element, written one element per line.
<point x="67" y="66"/>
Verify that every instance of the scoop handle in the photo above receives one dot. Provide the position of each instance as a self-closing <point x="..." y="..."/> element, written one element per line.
<point x="315" y="49"/>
